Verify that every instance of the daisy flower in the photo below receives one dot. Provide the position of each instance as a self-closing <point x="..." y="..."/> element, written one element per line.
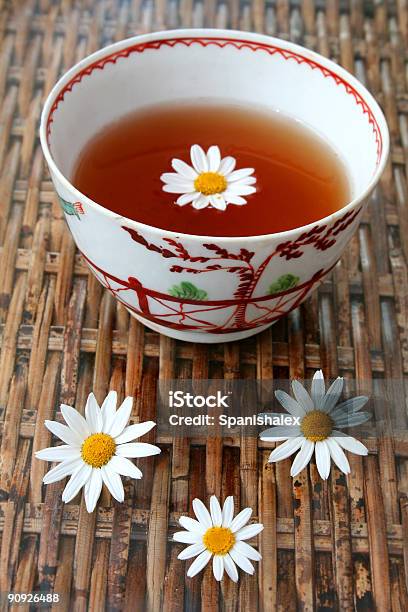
<point x="218" y="535"/>
<point x="210" y="181"/>
<point x="319" y="420"/>
<point x="97" y="449"/>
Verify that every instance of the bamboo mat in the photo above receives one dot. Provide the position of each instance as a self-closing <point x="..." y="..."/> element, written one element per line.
<point x="335" y="545"/>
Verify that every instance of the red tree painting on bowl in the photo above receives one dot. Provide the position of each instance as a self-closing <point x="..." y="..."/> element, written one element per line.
<point x="188" y="306"/>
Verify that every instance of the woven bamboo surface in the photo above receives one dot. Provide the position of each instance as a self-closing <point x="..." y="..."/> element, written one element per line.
<point x="335" y="545"/>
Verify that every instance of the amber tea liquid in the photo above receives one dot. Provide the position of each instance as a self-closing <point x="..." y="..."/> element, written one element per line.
<point x="300" y="178"/>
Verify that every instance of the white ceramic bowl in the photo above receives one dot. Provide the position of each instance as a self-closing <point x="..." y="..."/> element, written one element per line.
<point x="139" y="263"/>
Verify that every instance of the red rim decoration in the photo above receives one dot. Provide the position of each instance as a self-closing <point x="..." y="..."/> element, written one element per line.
<point x="221" y="43"/>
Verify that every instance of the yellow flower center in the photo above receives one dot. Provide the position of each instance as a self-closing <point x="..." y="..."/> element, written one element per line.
<point x="219" y="540"/>
<point x="98" y="449"/>
<point x="209" y="183"/>
<point x="316" y="426"/>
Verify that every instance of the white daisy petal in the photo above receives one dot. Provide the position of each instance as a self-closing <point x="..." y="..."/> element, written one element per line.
<point x="121" y="418"/>
<point x="114" y="482"/>
<point x="186" y="198"/>
<point x="302" y="396"/>
<point x="283" y="431"/>
<point x="218" y="201"/>
<point x="292" y="406"/>
<point x="249" y="180"/>
<point x="66" y="468"/>
<point x="241" y="519"/>
<point x="191" y="551"/>
<point x="134" y="431"/>
<point x="108" y="410"/>
<point x="323" y="459"/>
<point x="184" y="169"/>
<point x="235" y="199"/>
<point x="247" y="551"/>
<point x="238" y="189"/>
<point x="201" y="202"/>
<point x="337" y="433"/>
<point x="188" y="537"/>
<point x="179" y="187"/>
<point x="352" y="420"/>
<point x="318" y="389"/>
<point x="199" y="563"/>
<point x="338" y="455"/>
<point x="199" y="159"/>
<point x="230" y="567"/>
<point x="76" y="482"/>
<point x="64" y="433"/>
<point x="242" y="561"/>
<point x="333" y="394"/>
<point x="353" y="404"/>
<point x="248" y="532"/>
<point x="286" y="449"/>
<point x="192" y="525"/>
<point x="239" y="174"/>
<point x="137" y="449"/>
<point x="124" y="467"/>
<point x="215" y="509"/>
<point x="92" y="490"/>
<point x="59" y="453"/>
<point x="227" y="165"/>
<point x="302" y="458"/>
<point x="75" y="421"/>
<point x="348" y="408"/>
<point x="93" y="414"/>
<point x="202" y="513"/>
<point x="350" y="444"/>
<point x="172" y="178"/>
<point x="214" y="159"/>
<point x="218" y="567"/>
<point x="340" y="413"/>
<point x="228" y="511"/>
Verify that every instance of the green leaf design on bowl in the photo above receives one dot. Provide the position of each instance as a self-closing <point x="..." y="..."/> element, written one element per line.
<point x="188" y="291"/>
<point x="68" y="208"/>
<point x="284" y="282"/>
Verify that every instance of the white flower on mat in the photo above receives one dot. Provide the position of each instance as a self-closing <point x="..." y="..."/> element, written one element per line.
<point x="217" y="534"/>
<point x="320" y="419"/>
<point x="97" y="449"/>
<point x="210" y="181"/>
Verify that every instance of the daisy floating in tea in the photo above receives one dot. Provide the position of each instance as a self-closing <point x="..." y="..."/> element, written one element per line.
<point x="300" y="178"/>
<point x="97" y="449"/>
<point x="320" y="419"/>
<point x="210" y="181"/>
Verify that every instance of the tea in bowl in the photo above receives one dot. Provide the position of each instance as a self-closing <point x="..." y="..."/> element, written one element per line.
<point x="211" y="178"/>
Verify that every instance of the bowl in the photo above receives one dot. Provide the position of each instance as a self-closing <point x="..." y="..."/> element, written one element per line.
<point x="247" y="282"/>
